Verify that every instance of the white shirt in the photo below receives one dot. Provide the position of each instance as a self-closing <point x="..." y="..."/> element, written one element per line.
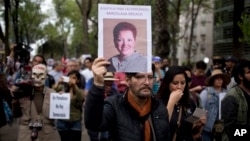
<point x="87" y="73"/>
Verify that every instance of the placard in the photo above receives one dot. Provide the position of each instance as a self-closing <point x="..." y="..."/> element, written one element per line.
<point x="59" y="106"/>
<point x="198" y="113"/>
<point x="134" y="55"/>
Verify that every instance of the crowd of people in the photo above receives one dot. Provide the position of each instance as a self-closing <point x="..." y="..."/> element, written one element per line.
<point x="131" y="106"/>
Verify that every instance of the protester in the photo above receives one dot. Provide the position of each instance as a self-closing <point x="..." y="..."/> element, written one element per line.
<point x="121" y="82"/>
<point x="57" y="71"/>
<point x="4" y="96"/>
<point x="71" y="129"/>
<point x="195" y="97"/>
<point x="174" y="93"/>
<point x="87" y="72"/>
<point x="234" y="107"/>
<point x="158" y="73"/>
<point x="34" y="122"/>
<point x="198" y="79"/>
<point x="133" y="116"/>
<point x="216" y="86"/>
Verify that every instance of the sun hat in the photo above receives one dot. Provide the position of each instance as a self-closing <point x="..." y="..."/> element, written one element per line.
<point x="215" y="73"/>
<point x="109" y="76"/>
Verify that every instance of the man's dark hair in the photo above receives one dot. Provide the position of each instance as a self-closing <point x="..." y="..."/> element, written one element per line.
<point x="201" y="65"/>
<point x="239" y="69"/>
<point x="88" y="58"/>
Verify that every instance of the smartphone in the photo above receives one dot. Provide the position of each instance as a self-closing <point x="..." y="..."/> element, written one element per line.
<point x="65" y="79"/>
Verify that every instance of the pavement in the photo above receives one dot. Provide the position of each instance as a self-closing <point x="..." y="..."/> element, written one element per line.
<point x="9" y="133"/>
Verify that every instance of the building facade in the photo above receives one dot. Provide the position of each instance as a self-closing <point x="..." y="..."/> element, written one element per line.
<point x="227" y="33"/>
<point x="202" y="42"/>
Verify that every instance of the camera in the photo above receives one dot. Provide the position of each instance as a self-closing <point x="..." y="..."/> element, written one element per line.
<point x="35" y="127"/>
<point x="24" y="83"/>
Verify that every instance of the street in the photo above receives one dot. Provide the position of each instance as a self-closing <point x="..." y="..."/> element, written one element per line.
<point x="8" y="133"/>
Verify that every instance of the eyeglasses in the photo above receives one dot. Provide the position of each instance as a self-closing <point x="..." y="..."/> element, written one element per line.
<point x="142" y="78"/>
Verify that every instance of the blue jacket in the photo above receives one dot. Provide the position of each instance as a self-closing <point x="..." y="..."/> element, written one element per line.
<point x="210" y="102"/>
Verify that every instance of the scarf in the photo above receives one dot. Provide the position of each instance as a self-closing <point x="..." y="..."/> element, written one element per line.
<point x="142" y="112"/>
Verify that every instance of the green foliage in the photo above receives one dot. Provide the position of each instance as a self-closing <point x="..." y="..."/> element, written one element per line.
<point x="244" y="25"/>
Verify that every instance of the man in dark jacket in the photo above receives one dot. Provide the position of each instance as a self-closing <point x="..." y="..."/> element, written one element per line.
<point x="134" y="116"/>
<point x="235" y="106"/>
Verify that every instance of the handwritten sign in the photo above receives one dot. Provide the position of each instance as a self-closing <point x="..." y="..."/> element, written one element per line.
<point x="59" y="106"/>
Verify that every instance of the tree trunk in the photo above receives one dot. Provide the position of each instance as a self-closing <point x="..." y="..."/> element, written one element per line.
<point x="6" y="20"/>
<point x="86" y="4"/>
<point x="161" y="47"/>
<point x="194" y="13"/>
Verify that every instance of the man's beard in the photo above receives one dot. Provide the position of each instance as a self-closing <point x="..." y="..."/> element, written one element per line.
<point x="246" y="83"/>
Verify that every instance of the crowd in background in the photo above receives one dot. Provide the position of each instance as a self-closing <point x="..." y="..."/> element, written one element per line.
<point x="198" y="86"/>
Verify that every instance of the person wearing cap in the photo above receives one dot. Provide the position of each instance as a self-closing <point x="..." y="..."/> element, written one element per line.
<point x="128" y="59"/>
<point x="134" y="116"/>
<point x="158" y="73"/>
<point x="229" y="64"/>
<point x="235" y="106"/>
<point x="216" y="86"/>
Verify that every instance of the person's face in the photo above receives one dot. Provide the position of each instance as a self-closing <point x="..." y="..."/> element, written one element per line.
<point x="229" y="64"/>
<point x="73" y="79"/>
<point x="199" y="72"/>
<point x="37" y="60"/>
<point x="178" y="83"/>
<point x="59" y="67"/>
<point x="88" y="64"/>
<point x="218" y="82"/>
<point x="71" y="66"/>
<point x="165" y="62"/>
<point x="125" y="42"/>
<point x="141" y="85"/>
<point x="246" y="78"/>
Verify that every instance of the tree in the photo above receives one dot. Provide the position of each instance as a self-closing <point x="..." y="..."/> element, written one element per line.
<point x="5" y="37"/>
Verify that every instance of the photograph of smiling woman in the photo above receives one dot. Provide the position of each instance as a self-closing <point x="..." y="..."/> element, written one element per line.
<point x="128" y="58"/>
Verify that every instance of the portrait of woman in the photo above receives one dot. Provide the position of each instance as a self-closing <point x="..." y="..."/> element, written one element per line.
<point x="127" y="59"/>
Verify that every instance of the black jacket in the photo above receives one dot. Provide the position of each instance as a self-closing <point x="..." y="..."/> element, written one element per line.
<point x="117" y="116"/>
<point x="4" y="95"/>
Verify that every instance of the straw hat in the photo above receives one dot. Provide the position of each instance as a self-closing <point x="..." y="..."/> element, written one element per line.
<point x="109" y="76"/>
<point x="215" y="73"/>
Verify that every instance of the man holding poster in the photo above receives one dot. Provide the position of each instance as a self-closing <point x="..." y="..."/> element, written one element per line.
<point x="125" y="42"/>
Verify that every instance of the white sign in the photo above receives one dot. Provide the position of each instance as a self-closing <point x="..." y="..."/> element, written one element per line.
<point x="134" y="49"/>
<point x="59" y="106"/>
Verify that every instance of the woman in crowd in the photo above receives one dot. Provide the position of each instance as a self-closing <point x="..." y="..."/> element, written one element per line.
<point x="71" y="129"/>
<point x="216" y="83"/>
<point x="174" y="93"/>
